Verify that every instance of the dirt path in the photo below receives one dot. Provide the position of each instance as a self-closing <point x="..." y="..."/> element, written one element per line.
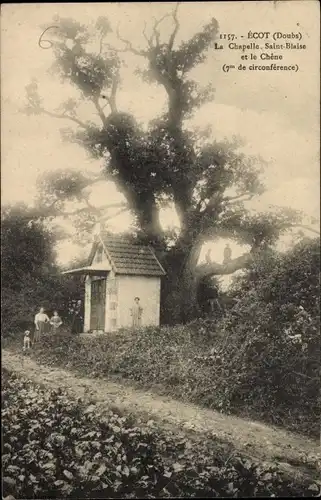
<point x="249" y="438"/>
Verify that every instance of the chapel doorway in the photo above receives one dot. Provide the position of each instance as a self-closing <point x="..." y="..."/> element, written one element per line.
<point x="98" y="305"/>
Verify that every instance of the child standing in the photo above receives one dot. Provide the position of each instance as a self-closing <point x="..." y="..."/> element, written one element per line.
<point x="55" y="322"/>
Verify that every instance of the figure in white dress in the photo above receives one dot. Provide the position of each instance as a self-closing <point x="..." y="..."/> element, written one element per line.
<point x="40" y="320"/>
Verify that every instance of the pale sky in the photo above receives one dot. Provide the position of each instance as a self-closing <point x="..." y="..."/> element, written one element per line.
<point x="277" y="113"/>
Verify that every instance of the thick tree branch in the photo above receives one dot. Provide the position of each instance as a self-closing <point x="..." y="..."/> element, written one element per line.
<point x="108" y="217"/>
<point x="148" y="40"/>
<point x="99" y="109"/>
<point x="217" y="198"/>
<point x="128" y="46"/>
<point x="51" y="212"/>
<point x="223" y="269"/>
<point x="214" y="268"/>
<point x="308" y="228"/>
<point x="112" y="98"/>
<point x="176" y="28"/>
<point x="248" y="196"/>
<point x="155" y="32"/>
<point x="91" y="182"/>
<point x="101" y="44"/>
<point x="115" y="205"/>
<point x="212" y="202"/>
<point x="47" y="212"/>
<point x="98" y="210"/>
<point x="63" y="116"/>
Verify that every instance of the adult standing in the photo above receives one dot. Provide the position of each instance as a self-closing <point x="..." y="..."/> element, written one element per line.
<point x="136" y="312"/>
<point x="41" y="319"/>
<point x="77" y="323"/>
<point x="214" y="300"/>
<point x="208" y="296"/>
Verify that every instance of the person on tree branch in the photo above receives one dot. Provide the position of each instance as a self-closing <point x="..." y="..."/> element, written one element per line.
<point x="208" y="258"/>
<point x="227" y="256"/>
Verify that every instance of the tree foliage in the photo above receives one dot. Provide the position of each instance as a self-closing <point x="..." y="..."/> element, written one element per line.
<point x="26" y="247"/>
<point x="165" y="164"/>
<point x="270" y="346"/>
<point x="30" y="276"/>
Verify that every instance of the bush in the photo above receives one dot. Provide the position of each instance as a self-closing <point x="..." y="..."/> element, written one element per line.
<point x="30" y="276"/>
<point x="271" y="357"/>
<point x="54" y="447"/>
<point x="260" y="361"/>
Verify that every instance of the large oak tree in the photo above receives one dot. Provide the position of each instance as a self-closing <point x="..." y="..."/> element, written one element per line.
<point x="167" y="163"/>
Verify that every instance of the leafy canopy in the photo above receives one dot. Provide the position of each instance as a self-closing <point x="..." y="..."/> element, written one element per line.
<point x="167" y="163"/>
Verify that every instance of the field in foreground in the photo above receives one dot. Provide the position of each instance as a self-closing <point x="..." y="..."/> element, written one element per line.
<point x="56" y="445"/>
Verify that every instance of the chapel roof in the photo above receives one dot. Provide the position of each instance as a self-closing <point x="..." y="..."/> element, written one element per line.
<point x="128" y="257"/>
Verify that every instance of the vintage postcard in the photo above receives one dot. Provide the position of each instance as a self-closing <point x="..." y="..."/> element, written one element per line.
<point x="160" y="249"/>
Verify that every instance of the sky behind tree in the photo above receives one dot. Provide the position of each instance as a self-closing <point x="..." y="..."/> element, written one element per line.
<point x="277" y="113"/>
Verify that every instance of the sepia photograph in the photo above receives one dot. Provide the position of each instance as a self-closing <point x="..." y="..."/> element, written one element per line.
<point x="160" y="249"/>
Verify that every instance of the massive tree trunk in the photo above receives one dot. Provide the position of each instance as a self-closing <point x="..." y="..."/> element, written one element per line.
<point x="179" y="297"/>
<point x="148" y="220"/>
<point x="189" y="282"/>
<point x="180" y="284"/>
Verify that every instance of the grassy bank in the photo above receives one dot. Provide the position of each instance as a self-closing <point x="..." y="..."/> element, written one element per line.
<point x="55" y="447"/>
<point x="215" y="369"/>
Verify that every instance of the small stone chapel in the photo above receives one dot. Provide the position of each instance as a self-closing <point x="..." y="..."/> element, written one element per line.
<point x="119" y="271"/>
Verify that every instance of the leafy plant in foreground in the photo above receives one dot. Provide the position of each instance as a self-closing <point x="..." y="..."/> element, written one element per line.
<point x="58" y="448"/>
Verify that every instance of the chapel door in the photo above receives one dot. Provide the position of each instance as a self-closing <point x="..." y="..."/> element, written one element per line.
<point x="112" y="304"/>
<point x="98" y="304"/>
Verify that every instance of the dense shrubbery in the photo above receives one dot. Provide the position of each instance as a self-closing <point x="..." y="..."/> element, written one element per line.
<point x="19" y="306"/>
<point x="261" y="360"/>
<point x="56" y="448"/>
<point x="271" y="356"/>
<point x="30" y="277"/>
